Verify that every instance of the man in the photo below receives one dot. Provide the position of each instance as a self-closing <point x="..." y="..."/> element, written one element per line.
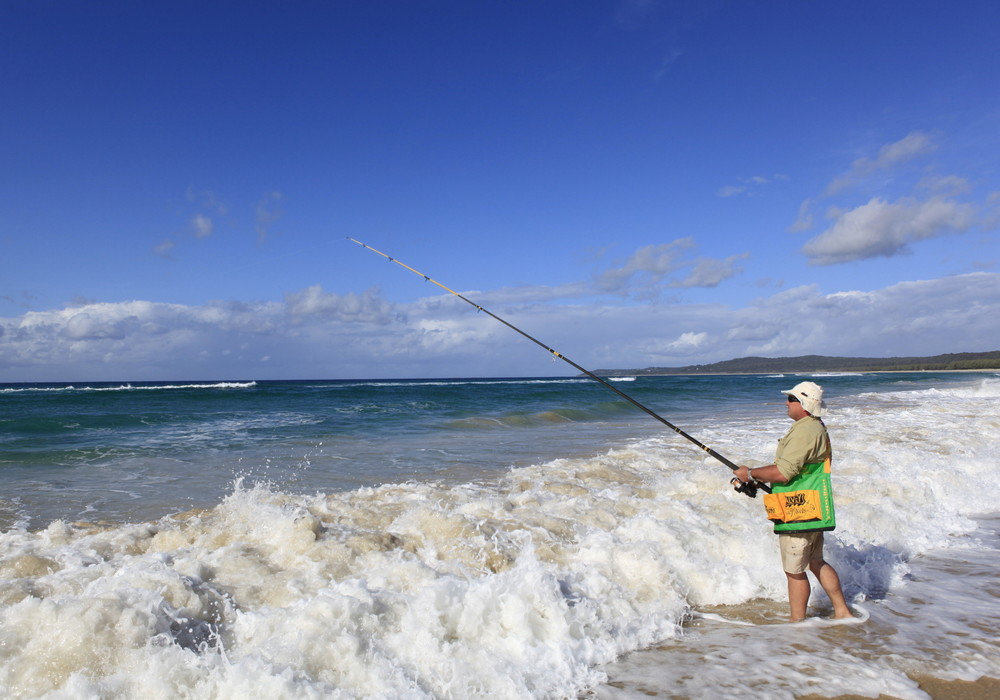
<point x="801" y="502"/>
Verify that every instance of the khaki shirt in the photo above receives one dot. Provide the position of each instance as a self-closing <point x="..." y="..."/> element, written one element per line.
<point x="804" y="443"/>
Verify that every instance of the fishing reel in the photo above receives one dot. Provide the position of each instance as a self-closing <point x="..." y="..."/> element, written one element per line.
<point x="749" y="488"/>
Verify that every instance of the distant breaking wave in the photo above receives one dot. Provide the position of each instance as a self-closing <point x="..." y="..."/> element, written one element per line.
<point x="454" y="382"/>
<point x="131" y="387"/>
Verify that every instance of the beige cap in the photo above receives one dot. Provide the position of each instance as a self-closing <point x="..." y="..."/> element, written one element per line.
<point x="810" y="395"/>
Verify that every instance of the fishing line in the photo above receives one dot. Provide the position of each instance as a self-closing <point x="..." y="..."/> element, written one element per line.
<point x="749" y="488"/>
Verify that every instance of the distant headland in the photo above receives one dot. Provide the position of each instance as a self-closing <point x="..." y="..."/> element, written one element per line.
<point x="822" y="363"/>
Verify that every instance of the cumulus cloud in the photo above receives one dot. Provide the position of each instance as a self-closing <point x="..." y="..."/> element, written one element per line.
<point x="889" y="156"/>
<point x="141" y="338"/>
<point x="936" y="205"/>
<point x="92" y="326"/>
<point x="884" y="229"/>
<point x="688" y="341"/>
<point x="922" y="317"/>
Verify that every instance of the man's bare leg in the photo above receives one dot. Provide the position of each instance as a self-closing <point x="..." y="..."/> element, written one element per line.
<point x="798" y="595"/>
<point x="830" y="582"/>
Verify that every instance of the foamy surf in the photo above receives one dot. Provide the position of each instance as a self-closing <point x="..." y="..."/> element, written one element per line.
<point x="409" y="591"/>
<point x="860" y="616"/>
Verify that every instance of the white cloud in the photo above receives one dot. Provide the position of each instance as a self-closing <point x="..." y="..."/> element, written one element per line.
<point x="884" y="229"/>
<point x="658" y="351"/>
<point x="914" y="144"/>
<point x="317" y="334"/>
<point x="651" y="266"/>
<point x="889" y="156"/>
<point x="710" y="272"/>
<point x="88" y="326"/>
<point x="314" y="302"/>
<point x="689" y="341"/>
<point x="652" y="261"/>
<point x="909" y="318"/>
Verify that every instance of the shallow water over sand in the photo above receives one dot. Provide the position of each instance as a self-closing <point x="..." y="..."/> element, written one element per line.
<point x="940" y="624"/>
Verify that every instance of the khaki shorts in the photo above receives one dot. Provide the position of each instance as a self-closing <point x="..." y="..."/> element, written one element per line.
<point x="797" y="550"/>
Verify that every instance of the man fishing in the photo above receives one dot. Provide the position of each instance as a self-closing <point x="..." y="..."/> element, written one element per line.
<point x="801" y="502"/>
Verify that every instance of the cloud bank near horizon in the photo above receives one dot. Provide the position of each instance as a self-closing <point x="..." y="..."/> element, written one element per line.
<point x="315" y="334"/>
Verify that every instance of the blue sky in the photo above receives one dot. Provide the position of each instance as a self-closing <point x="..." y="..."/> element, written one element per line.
<point x="635" y="183"/>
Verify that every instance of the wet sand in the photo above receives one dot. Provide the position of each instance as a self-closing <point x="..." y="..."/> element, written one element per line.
<point x="983" y="689"/>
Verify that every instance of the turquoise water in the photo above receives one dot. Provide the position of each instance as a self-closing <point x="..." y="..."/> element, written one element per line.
<point x="480" y="538"/>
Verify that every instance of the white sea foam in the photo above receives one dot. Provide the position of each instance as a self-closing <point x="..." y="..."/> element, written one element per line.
<point x="128" y="387"/>
<point x="457" y="382"/>
<point x="527" y="586"/>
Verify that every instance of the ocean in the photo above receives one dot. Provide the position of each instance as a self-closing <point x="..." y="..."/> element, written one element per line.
<point x="500" y="538"/>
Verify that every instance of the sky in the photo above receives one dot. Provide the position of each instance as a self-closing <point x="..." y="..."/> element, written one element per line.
<point x="636" y="183"/>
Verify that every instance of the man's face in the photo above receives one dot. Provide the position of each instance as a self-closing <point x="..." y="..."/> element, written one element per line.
<point x="795" y="410"/>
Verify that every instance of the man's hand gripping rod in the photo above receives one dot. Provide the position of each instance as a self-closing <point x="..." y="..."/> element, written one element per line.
<point x="749" y="488"/>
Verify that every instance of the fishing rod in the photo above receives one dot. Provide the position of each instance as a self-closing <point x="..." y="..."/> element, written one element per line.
<point x="749" y="487"/>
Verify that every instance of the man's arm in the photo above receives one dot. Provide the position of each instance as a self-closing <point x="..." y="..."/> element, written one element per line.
<point x="769" y="474"/>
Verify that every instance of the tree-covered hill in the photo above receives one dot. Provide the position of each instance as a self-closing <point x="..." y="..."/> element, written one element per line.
<point x="822" y="363"/>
